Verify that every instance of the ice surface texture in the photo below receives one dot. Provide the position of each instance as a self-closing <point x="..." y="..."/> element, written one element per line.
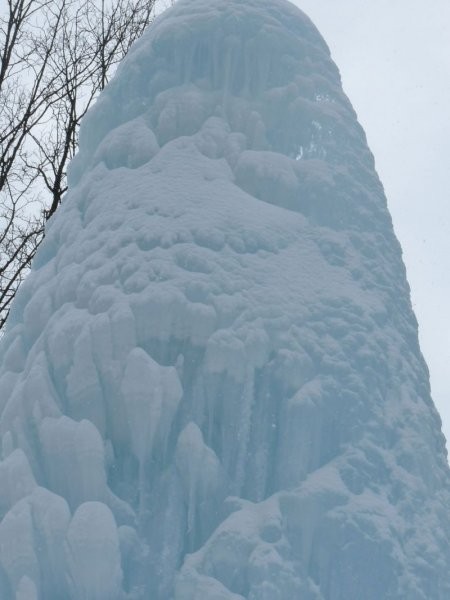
<point x="211" y="386"/>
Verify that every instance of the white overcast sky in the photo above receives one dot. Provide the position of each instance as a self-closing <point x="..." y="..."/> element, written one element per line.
<point x="394" y="58"/>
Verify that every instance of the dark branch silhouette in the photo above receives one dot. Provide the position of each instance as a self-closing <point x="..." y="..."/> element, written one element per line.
<point x="56" y="56"/>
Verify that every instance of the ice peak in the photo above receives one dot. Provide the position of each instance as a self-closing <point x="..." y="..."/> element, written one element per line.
<point x="211" y="386"/>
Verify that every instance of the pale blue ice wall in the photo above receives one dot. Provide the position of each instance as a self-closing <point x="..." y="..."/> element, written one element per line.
<point x="211" y="387"/>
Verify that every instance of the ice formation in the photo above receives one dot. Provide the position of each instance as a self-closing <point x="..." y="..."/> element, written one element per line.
<point x="211" y="385"/>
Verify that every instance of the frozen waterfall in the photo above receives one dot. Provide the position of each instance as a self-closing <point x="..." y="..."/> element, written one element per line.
<point x="211" y="386"/>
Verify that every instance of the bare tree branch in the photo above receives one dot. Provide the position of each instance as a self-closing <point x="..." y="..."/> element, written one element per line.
<point x="56" y="56"/>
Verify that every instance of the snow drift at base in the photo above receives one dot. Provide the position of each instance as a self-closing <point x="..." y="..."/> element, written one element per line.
<point x="211" y="385"/>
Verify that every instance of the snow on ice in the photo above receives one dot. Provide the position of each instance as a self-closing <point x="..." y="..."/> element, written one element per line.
<point x="211" y="385"/>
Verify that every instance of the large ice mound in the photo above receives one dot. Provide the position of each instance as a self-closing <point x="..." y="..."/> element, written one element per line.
<point x="211" y="386"/>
